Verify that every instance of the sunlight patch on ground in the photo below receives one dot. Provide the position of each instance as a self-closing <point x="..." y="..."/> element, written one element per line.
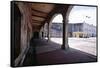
<point x="87" y="45"/>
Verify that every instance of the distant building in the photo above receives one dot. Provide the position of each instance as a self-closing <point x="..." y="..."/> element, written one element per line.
<point x="81" y="30"/>
<point x="74" y="30"/>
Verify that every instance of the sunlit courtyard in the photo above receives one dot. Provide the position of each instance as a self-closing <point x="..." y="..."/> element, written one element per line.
<point x="87" y="45"/>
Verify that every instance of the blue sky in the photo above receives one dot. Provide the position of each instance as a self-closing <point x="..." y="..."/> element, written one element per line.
<point x="80" y="14"/>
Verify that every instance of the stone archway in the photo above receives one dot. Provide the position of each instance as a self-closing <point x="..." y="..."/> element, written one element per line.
<point x="50" y="24"/>
<point x="65" y="15"/>
<point x="56" y="26"/>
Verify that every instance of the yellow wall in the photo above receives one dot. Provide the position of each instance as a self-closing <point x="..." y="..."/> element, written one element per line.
<point x="78" y="34"/>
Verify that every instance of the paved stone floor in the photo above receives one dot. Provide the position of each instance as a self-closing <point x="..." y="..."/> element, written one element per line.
<point x="52" y="53"/>
<point x="64" y="57"/>
<point x="47" y="53"/>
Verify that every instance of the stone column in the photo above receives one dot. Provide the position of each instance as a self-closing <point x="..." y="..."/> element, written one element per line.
<point x="48" y="31"/>
<point x="65" y="34"/>
<point x="43" y="31"/>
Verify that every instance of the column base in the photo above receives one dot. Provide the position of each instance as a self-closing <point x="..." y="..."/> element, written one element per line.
<point x="64" y="47"/>
<point x="48" y="40"/>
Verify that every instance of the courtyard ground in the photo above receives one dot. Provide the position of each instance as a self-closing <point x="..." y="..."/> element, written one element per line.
<point x="87" y="45"/>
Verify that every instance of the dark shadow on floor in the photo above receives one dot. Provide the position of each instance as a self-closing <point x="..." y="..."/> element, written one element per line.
<point x="31" y="57"/>
<point x="56" y="56"/>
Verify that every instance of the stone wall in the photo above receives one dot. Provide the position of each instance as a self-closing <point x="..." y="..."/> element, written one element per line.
<point x="26" y="31"/>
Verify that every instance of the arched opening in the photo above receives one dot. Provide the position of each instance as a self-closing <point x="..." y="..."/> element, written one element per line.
<point x="56" y="29"/>
<point x="80" y="20"/>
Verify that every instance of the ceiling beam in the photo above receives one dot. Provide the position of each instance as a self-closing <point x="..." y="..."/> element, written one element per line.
<point x="36" y="20"/>
<point x="39" y="11"/>
<point x="36" y="23"/>
<point x="38" y="16"/>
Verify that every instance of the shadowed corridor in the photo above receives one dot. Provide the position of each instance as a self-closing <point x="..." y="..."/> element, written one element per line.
<point x="49" y="53"/>
<point x="28" y="46"/>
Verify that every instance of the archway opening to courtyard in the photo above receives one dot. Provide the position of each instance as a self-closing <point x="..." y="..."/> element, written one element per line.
<point x="82" y="29"/>
<point x="57" y="29"/>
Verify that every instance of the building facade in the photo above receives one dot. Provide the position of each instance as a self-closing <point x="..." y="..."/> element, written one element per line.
<point x="81" y="30"/>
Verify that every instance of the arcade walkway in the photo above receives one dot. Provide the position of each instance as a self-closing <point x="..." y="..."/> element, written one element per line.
<point x="28" y="20"/>
<point x="51" y="53"/>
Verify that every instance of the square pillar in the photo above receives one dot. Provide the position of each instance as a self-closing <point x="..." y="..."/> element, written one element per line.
<point x="43" y="32"/>
<point x="65" y="34"/>
<point x="48" y="31"/>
